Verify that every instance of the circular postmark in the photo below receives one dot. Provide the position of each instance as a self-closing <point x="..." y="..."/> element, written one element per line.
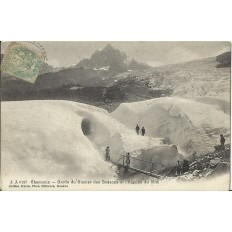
<point x="24" y="60"/>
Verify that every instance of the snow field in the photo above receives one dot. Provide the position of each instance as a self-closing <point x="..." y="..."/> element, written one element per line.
<point x="62" y="139"/>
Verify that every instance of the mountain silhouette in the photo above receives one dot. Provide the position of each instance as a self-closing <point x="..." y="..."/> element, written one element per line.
<point x="111" y="59"/>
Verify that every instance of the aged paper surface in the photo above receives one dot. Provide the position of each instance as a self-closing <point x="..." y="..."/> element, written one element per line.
<point x="115" y="115"/>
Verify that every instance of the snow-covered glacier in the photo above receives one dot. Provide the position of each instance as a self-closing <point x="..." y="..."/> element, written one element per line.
<point x="64" y="139"/>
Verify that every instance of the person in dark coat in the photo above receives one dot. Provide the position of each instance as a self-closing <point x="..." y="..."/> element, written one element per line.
<point x="128" y="159"/>
<point x="137" y="129"/>
<point x="178" y="168"/>
<point x="222" y="141"/>
<point x="107" y="153"/>
<point x="185" y="167"/>
<point x="143" y="131"/>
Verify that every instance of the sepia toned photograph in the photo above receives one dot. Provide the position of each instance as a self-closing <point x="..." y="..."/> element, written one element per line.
<point x="115" y="115"/>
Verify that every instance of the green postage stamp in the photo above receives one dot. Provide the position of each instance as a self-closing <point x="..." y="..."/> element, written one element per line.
<point x="23" y="60"/>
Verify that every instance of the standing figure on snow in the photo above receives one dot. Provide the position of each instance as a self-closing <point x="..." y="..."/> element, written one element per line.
<point x="222" y="141"/>
<point x="128" y="159"/>
<point x="143" y="131"/>
<point x="185" y="166"/>
<point x="107" y="153"/>
<point x="137" y="129"/>
<point x="178" y="168"/>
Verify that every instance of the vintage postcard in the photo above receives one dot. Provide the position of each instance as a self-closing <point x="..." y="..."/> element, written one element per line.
<point x="115" y="115"/>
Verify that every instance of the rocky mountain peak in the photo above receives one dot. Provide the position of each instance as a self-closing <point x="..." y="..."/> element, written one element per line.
<point x="110" y="57"/>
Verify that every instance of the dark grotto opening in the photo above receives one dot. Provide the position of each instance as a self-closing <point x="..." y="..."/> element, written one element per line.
<point x="86" y="126"/>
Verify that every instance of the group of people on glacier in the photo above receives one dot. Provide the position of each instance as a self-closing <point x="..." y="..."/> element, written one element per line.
<point x="107" y="156"/>
<point x="181" y="167"/>
<point x="137" y="129"/>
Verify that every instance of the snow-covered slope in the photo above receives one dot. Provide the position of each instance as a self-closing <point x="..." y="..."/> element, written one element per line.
<point x="64" y="139"/>
<point x="44" y="138"/>
<point x="220" y="103"/>
<point x="192" y="125"/>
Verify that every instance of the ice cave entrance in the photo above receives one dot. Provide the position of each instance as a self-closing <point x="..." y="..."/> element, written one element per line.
<point x="86" y="126"/>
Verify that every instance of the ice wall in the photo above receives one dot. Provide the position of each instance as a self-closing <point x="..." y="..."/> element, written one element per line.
<point x="191" y="125"/>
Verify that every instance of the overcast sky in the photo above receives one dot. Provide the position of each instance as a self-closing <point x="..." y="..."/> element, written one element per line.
<point x="61" y="54"/>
